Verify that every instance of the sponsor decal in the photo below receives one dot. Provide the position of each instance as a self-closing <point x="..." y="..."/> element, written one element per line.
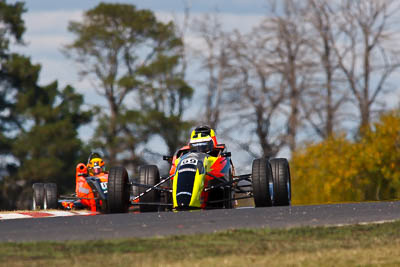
<point x="83" y="190"/>
<point x="199" y="140"/>
<point x="199" y="144"/>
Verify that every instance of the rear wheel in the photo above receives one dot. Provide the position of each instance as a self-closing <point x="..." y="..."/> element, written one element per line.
<point x="118" y="190"/>
<point x="149" y="175"/>
<point x="50" y="196"/>
<point x="282" y="183"/>
<point x="38" y="196"/>
<point x="262" y="183"/>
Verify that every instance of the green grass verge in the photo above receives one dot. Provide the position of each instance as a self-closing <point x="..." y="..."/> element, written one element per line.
<point x="360" y="245"/>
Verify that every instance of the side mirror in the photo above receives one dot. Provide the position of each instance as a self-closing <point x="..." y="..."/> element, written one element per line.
<point x="167" y="158"/>
<point x="226" y="154"/>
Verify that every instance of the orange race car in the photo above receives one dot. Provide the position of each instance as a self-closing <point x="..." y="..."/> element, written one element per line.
<point x="90" y="189"/>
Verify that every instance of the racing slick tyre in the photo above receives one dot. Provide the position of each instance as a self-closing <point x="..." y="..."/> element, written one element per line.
<point x="282" y="183"/>
<point x="118" y="190"/>
<point x="149" y="175"/>
<point x="262" y="183"/>
<point x="50" y="196"/>
<point x="38" y="196"/>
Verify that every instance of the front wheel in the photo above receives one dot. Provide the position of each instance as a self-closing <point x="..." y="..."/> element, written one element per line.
<point x="262" y="183"/>
<point x="118" y="190"/>
<point x="282" y="183"/>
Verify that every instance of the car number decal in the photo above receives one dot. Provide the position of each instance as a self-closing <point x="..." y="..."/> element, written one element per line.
<point x="189" y="161"/>
<point x="104" y="186"/>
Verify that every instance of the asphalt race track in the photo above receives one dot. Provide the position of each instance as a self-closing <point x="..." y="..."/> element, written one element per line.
<point x="176" y="223"/>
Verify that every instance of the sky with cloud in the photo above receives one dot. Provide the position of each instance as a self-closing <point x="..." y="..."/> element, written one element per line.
<point x="47" y="21"/>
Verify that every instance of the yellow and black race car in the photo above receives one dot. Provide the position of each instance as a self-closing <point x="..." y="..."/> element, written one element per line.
<point x="202" y="176"/>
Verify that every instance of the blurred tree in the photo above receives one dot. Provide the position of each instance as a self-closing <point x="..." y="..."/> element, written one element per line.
<point x="324" y="101"/>
<point x="163" y="99"/>
<point x="337" y="170"/>
<point x="379" y="155"/>
<point x="12" y="28"/>
<point x="366" y="50"/>
<point x="117" y="46"/>
<point x="290" y="51"/>
<point x="215" y="62"/>
<point x="38" y="124"/>
<point x="325" y="172"/>
<point x="45" y="147"/>
<point x="258" y="93"/>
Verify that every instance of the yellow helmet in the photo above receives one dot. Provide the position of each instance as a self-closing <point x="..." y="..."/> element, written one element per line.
<point x="202" y="139"/>
<point x="96" y="164"/>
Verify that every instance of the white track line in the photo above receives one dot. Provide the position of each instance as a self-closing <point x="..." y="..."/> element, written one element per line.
<point x="9" y="216"/>
<point x="42" y="214"/>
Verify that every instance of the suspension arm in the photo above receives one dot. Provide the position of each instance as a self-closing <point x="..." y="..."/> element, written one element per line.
<point x="150" y="186"/>
<point x="154" y="187"/>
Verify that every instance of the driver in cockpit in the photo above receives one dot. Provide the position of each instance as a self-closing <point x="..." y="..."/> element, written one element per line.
<point x="203" y="139"/>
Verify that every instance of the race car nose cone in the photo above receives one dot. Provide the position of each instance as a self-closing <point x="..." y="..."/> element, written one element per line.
<point x="185" y="182"/>
<point x="183" y="200"/>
